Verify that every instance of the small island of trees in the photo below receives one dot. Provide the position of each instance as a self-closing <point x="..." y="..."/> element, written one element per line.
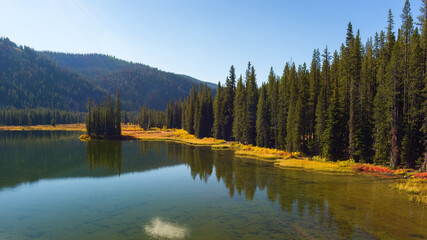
<point x="103" y="120"/>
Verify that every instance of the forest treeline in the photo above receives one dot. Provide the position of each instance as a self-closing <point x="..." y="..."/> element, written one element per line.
<point x="39" y="116"/>
<point x="366" y="101"/>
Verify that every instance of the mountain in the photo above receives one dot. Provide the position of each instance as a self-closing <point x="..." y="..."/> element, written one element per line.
<point x="139" y="84"/>
<point x="32" y="79"/>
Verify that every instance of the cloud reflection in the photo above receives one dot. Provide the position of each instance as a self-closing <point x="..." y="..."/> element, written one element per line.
<point x="159" y="228"/>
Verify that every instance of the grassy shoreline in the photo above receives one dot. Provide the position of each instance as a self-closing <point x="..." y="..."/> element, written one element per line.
<point x="407" y="181"/>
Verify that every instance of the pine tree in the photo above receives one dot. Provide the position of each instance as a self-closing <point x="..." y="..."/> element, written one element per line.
<point x="382" y="101"/>
<point x="283" y="106"/>
<point x="323" y="98"/>
<point x="335" y="131"/>
<point x="239" y="110"/>
<point x="395" y="75"/>
<point x="169" y="115"/>
<point x="263" y="138"/>
<point x="356" y="143"/>
<point x="228" y="104"/>
<point x="367" y="93"/>
<point x="203" y="113"/>
<point x="412" y="147"/>
<point x="272" y="102"/>
<point x="118" y="115"/>
<point x="144" y="120"/>
<point x="407" y="30"/>
<point x="198" y="108"/>
<point x="89" y="121"/>
<point x="190" y="110"/>
<point x="249" y="133"/>
<point x="424" y="93"/>
<point x="293" y="140"/>
<point x="312" y="101"/>
<point x="303" y="96"/>
<point x="218" y="124"/>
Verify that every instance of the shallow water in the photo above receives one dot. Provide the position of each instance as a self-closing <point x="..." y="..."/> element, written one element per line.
<point x="53" y="186"/>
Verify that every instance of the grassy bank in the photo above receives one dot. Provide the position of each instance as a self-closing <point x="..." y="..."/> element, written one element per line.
<point x="407" y="181"/>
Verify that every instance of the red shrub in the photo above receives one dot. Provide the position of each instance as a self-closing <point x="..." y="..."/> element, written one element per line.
<point x="421" y="175"/>
<point x="371" y="168"/>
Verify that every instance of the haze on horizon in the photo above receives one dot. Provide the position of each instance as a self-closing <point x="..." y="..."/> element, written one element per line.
<point x="196" y="38"/>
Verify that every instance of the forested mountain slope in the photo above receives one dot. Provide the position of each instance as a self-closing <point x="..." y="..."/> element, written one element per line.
<point x="139" y="84"/>
<point x="31" y="80"/>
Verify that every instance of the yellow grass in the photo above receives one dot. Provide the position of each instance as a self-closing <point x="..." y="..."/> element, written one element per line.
<point x="314" y="165"/>
<point x="173" y="135"/>
<point x="416" y="188"/>
<point x="253" y="154"/>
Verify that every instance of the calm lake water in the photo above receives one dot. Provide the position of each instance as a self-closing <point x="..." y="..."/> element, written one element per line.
<point x="53" y="186"/>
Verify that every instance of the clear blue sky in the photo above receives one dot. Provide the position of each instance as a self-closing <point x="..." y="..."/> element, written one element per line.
<point x="200" y="38"/>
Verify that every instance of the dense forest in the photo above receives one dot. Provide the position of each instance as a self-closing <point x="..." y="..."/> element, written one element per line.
<point x="366" y="101"/>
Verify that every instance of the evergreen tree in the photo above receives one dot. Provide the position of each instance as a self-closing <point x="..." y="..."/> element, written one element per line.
<point x="89" y="121"/>
<point x="356" y="144"/>
<point x="228" y="104"/>
<point x="190" y="110"/>
<point x="169" y="115"/>
<point x="424" y="93"/>
<point x="203" y="113"/>
<point x="283" y="106"/>
<point x="293" y="140"/>
<point x="323" y="97"/>
<point x="272" y="102"/>
<point x="118" y="115"/>
<point x="218" y="124"/>
<point x="395" y="75"/>
<point x="412" y="147"/>
<point x="312" y="101"/>
<point x="335" y="131"/>
<point x="382" y="101"/>
<point x="249" y="133"/>
<point x="239" y="110"/>
<point x="367" y="93"/>
<point x="303" y="96"/>
<point x="144" y="119"/>
<point x="263" y="138"/>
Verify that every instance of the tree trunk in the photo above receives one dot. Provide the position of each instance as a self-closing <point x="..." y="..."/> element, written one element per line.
<point x="424" y="166"/>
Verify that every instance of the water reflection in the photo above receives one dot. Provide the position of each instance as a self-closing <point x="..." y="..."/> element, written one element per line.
<point x="346" y="206"/>
<point x="29" y="156"/>
<point x="105" y="154"/>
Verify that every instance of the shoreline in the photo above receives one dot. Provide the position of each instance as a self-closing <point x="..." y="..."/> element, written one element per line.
<point x="408" y="181"/>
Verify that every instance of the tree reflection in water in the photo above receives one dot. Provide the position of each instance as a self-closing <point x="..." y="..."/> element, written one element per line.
<point x="104" y="154"/>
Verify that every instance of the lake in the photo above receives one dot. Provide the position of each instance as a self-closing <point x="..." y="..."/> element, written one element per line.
<point x="53" y="186"/>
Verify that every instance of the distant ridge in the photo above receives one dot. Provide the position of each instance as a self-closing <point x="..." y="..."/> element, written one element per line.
<point x="138" y="83"/>
<point x="31" y="79"/>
